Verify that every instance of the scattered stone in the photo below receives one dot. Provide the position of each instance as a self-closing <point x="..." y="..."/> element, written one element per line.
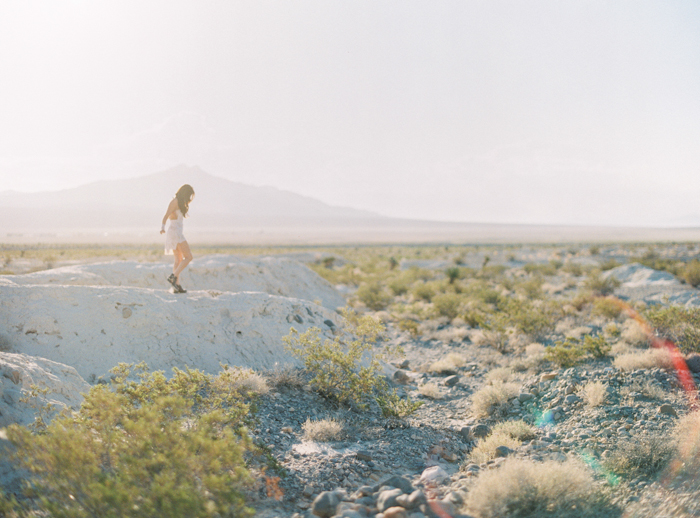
<point x="466" y="433"/>
<point x="363" y="455"/>
<point x="401" y="376"/>
<point x="395" y="512"/>
<point x="433" y="475"/>
<point x="693" y="362"/>
<point x="324" y="505"/>
<point x="667" y="409"/>
<point x="481" y="430"/>
<point x="548" y="376"/>
<point x="398" y="482"/>
<point x="503" y="451"/>
<point x="451" y="381"/>
<point x="525" y="396"/>
<point x="404" y="364"/>
<point x="387" y="499"/>
<point x="308" y="490"/>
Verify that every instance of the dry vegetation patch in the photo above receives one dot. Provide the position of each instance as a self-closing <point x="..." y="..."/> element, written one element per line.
<point x="430" y="390"/>
<point x="493" y="399"/>
<point x="644" y="359"/>
<point x="594" y="393"/>
<point x="523" y="488"/>
<point x="323" y="430"/>
<point x="485" y="448"/>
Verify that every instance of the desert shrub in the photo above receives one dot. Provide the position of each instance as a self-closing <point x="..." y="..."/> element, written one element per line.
<point x="493" y="399"/>
<point x="644" y="359"/>
<point x="323" y="430"/>
<point x="409" y="325"/>
<point x="399" y="285"/>
<point x="609" y="264"/>
<point x="447" y="304"/>
<point x="430" y="390"/>
<point x="492" y="338"/>
<point x="531" y="288"/>
<point x="633" y="334"/>
<point x="594" y="393"/>
<point x="334" y="364"/>
<point x="374" y="295"/>
<point x="573" y="351"/>
<point x="679" y="324"/>
<point x="423" y="291"/>
<point x="249" y="383"/>
<point x="485" y="449"/>
<point x="152" y="447"/>
<point x="645" y="456"/>
<point x="574" y="269"/>
<point x="608" y="308"/>
<point x="600" y="285"/>
<point x="612" y="329"/>
<point x="594" y="250"/>
<point x="543" y="269"/>
<point x="392" y="405"/>
<point x="687" y="439"/>
<point x="528" y="489"/>
<point x="535" y="320"/>
<point x="646" y="388"/>
<point x="286" y="377"/>
<point x="499" y="374"/>
<point x="453" y="273"/>
<point x="691" y="273"/>
<point x="450" y="363"/>
<point x="518" y="429"/>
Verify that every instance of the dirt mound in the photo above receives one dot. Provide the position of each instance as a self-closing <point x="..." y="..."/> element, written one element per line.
<point x="639" y="282"/>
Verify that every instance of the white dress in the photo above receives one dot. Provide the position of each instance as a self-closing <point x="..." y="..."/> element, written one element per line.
<point x="174" y="234"/>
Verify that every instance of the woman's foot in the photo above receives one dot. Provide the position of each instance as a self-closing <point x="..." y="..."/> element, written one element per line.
<point x="173" y="280"/>
<point x="179" y="289"/>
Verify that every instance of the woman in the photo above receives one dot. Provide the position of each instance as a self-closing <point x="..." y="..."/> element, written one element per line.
<point x="175" y="242"/>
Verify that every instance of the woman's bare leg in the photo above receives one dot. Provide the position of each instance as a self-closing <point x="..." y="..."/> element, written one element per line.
<point x="184" y="250"/>
<point x="178" y="259"/>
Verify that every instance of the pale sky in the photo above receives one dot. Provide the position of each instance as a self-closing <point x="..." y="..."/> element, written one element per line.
<point x="559" y="112"/>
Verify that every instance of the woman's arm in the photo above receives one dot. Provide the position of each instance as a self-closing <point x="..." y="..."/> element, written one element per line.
<point x="171" y="208"/>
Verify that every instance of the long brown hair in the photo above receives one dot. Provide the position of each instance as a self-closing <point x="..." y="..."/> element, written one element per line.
<point x="184" y="196"/>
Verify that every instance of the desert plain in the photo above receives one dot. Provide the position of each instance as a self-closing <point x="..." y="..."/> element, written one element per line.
<point x="506" y="379"/>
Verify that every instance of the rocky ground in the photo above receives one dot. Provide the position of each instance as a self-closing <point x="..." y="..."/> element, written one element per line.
<point x="426" y="456"/>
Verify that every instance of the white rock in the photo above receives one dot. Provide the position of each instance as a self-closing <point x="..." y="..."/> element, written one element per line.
<point x="86" y="327"/>
<point x="19" y="373"/>
<point x="433" y="475"/>
<point x="219" y="273"/>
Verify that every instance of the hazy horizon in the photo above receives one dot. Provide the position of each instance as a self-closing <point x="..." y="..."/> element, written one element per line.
<point x="551" y="113"/>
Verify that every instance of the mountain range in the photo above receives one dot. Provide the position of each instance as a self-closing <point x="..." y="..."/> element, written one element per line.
<point x="224" y="211"/>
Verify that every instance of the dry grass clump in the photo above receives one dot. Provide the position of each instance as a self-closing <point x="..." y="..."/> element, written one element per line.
<point x="646" y="388"/>
<point x="499" y="374"/>
<point x="252" y="383"/>
<point x="633" y="334"/>
<point x="324" y="430"/>
<point x="594" y="393"/>
<point x="645" y="456"/>
<point x="495" y="339"/>
<point x="644" y="359"/>
<point x="519" y="430"/>
<point x="451" y="334"/>
<point x="430" y="390"/>
<point x="485" y="448"/>
<point x="449" y="363"/>
<point x="493" y="399"/>
<point x="287" y="377"/>
<point x="523" y="488"/>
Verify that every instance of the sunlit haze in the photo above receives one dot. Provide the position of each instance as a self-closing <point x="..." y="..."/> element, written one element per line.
<point x="548" y="112"/>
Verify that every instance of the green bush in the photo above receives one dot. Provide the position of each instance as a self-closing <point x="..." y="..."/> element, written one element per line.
<point x="453" y="273"/>
<point x="691" y="273"/>
<point x="374" y="296"/>
<point x="608" y="308"/>
<point x="573" y="351"/>
<point x="335" y="364"/>
<point x="447" y="304"/>
<point x="424" y="291"/>
<point x="601" y="285"/>
<point x="535" y="320"/>
<point x="679" y="324"/>
<point x="152" y="447"/>
<point x="392" y="405"/>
